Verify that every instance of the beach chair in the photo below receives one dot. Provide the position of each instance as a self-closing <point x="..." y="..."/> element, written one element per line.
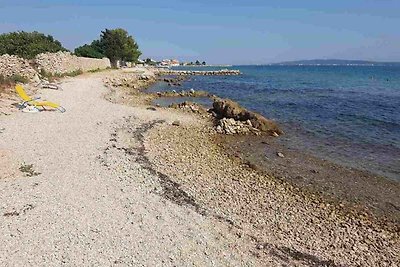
<point x="28" y="101"/>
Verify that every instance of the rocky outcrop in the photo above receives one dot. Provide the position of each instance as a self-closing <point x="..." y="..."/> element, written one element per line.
<point x="11" y="65"/>
<point x="189" y="107"/>
<point x="183" y="93"/>
<point x="232" y="126"/>
<point x="225" y="108"/>
<point x="174" y="81"/>
<point x="65" y="62"/>
<point x="224" y="72"/>
<point x="134" y="80"/>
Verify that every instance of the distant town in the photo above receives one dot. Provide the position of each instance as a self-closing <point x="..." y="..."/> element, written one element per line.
<point x="169" y="63"/>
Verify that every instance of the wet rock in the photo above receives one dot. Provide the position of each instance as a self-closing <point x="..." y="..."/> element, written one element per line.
<point x="189" y="106"/>
<point x="224" y="72"/>
<point x="182" y="93"/>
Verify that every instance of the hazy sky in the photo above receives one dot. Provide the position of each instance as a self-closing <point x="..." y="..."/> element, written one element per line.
<point x="222" y="31"/>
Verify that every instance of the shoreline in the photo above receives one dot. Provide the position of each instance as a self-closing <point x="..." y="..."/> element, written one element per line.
<point x="271" y="211"/>
<point x="168" y="156"/>
<point x="356" y="191"/>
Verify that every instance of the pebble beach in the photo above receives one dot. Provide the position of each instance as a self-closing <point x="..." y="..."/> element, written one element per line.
<point x="118" y="181"/>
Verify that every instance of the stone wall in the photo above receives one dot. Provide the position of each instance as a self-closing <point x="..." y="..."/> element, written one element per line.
<point x="55" y="63"/>
<point x="13" y="65"/>
<point x="65" y="62"/>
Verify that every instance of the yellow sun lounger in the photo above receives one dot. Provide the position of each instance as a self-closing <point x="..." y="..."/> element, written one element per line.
<point x="27" y="100"/>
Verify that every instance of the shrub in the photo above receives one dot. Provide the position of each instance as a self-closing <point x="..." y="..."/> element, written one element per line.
<point x="73" y="73"/>
<point x="28" y="44"/>
<point x="119" y="45"/>
<point x="114" y="44"/>
<point x="16" y="78"/>
<point x="94" y="50"/>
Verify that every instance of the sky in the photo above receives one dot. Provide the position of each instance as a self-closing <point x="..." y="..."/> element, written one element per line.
<point x="222" y="31"/>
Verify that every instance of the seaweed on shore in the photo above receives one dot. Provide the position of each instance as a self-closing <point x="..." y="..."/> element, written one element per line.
<point x="28" y="170"/>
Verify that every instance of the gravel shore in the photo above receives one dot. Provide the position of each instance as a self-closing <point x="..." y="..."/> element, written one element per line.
<point x="78" y="195"/>
<point x="282" y="220"/>
<point x="116" y="182"/>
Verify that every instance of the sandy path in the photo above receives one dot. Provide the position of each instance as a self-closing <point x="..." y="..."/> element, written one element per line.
<point x="93" y="203"/>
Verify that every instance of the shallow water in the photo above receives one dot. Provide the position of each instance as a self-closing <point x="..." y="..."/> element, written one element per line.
<point x="166" y="101"/>
<point x="348" y="114"/>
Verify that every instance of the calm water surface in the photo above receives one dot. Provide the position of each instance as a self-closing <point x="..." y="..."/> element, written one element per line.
<point x="348" y="114"/>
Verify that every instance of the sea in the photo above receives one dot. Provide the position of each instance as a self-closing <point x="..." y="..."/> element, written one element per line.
<point x="349" y="115"/>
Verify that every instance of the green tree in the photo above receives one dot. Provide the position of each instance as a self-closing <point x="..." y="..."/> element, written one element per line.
<point x="28" y="44"/>
<point x="94" y="50"/>
<point x="197" y="62"/>
<point x="204" y="63"/>
<point x="117" y="44"/>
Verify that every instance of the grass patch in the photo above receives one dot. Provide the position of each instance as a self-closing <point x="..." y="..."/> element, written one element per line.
<point x="99" y="70"/>
<point x="28" y="170"/>
<point x="95" y="70"/>
<point x="8" y="82"/>
<point x="16" y="78"/>
<point x="52" y="77"/>
<point x="74" y="73"/>
<point x="47" y="75"/>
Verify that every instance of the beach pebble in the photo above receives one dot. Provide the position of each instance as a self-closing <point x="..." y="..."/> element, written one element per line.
<point x="260" y="246"/>
<point x="280" y="154"/>
<point x="176" y="123"/>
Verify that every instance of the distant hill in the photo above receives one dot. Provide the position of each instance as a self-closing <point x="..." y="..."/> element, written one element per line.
<point x="327" y="62"/>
